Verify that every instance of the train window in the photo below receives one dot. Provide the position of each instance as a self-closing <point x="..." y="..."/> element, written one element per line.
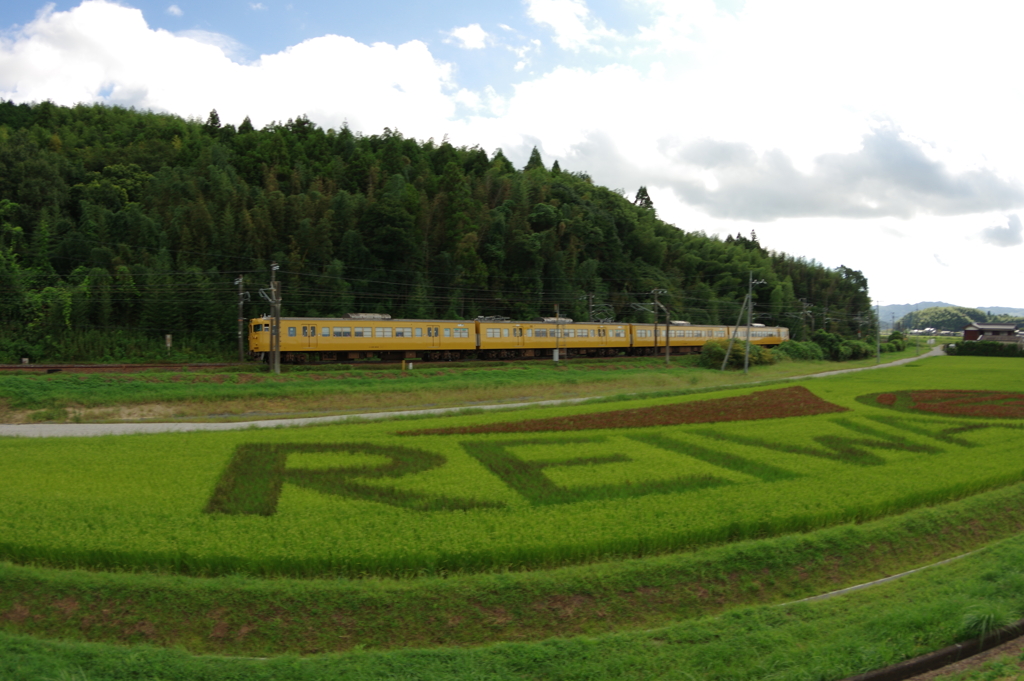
<point x="312" y="331"/>
<point x="542" y="333"/>
<point x="504" y="332"/>
<point x="419" y="332"/>
<point x="570" y="333"/>
<point x="494" y="333"/>
<point x="447" y="332"/>
<point x="462" y="333"/>
<point x="557" y="333"/>
<point x="346" y="332"/>
<point x="325" y="331"/>
<point x="291" y="331"/>
<point x="619" y="333"/>
<point x="382" y="332"/>
<point x="719" y="333"/>
<point x="363" y="331"/>
<point x="517" y="332"/>
<point x="403" y="332"/>
<point x="337" y="332"/>
<point x="305" y="331"/>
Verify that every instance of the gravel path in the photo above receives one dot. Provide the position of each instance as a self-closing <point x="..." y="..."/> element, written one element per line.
<point x="94" y="429"/>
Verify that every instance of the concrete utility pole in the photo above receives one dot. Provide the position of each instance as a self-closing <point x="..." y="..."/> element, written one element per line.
<point x="750" y="310"/>
<point x="655" y="293"/>
<point x="878" y="338"/>
<point x="668" y="343"/>
<point x="732" y="338"/>
<point x="558" y="331"/>
<point x="241" y="318"/>
<point x="275" y="329"/>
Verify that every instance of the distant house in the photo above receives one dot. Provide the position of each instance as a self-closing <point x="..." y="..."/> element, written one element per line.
<point x="1004" y="333"/>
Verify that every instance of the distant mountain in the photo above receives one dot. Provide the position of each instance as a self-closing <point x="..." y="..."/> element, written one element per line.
<point x="889" y="313"/>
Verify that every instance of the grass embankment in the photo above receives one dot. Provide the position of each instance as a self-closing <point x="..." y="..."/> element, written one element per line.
<point x="245" y="616"/>
<point x="831" y="639"/>
<point x="236" y="394"/>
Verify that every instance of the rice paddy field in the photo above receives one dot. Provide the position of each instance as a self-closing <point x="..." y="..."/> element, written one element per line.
<point x="657" y="537"/>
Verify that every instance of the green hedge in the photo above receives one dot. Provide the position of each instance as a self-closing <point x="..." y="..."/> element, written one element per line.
<point x="985" y="349"/>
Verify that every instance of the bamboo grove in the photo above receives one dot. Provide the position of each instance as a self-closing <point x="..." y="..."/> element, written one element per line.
<point x="118" y="226"/>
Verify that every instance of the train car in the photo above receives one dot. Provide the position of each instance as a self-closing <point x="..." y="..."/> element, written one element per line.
<point x="365" y="336"/>
<point x="502" y="338"/>
<point x="368" y="336"/>
<point x="767" y="336"/>
<point x="686" y="338"/>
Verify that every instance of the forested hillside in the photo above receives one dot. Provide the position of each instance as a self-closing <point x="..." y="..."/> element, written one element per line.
<point x="118" y="226"/>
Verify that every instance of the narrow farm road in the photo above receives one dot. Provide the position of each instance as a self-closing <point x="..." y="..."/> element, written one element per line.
<point x="95" y="429"/>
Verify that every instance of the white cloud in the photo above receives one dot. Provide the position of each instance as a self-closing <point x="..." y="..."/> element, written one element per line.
<point x="104" y="52"/>
<point x="1011" y="235"/>
<point x="174" y="10"/>
<point x="471" y="37"/>
<point x="257" y="6"/>
<point x="574" y="26"/>
<point x="683" y="26"/>
<point x="797" y="91"/>
<point x="225" y="43"/>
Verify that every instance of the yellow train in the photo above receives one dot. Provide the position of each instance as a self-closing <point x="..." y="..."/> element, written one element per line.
<point x="372" y="336"/>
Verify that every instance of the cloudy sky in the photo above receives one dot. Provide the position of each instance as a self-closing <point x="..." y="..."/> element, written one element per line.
<point x="884" y="135"/>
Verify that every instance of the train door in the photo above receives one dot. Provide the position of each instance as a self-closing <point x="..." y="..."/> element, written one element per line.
<point x="433" y="335"/>
<point x="309" y="335"/>
<point x="517" y="336"/>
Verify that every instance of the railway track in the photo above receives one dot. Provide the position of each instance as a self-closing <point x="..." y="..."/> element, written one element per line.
<point x="109" y="368"/>
<point x="199" y="366"/>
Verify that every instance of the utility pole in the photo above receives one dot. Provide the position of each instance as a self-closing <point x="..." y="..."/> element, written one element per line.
<point x="241" y="317"/>
<point x="804" y="315"/>
<point x="558" y="331"/>
<point x="750" y="310"/>
<point x="275" y="329"/>
<point x="728" y="350"/>
<point x="668" y="341"/>
<point x="878" y="338"/>
<point x="655" y="293"/>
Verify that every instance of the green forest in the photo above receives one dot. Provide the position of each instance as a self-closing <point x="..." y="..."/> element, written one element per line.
<point x="118" y="226"/>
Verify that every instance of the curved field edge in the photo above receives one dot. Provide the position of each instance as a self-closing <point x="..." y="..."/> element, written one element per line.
<point x="830" y="639"/>
<point x="245" y="616"/>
